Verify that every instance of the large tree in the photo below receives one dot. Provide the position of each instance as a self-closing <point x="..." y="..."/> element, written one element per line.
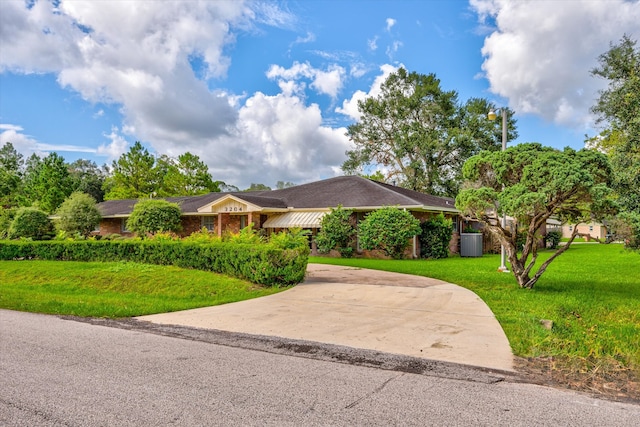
<point x="419" y="133"/>
<point x="134" y="175"/>
<point x="186" y="175"/>
<point x="531" y="183"/>
<point x="11" y="165"/>
<point x="88" y="178"/>
<point x="46" y="182"/>
<point x="618" y="110"/>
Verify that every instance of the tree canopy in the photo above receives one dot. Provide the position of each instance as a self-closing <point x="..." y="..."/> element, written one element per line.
<point x="78" y="214"/>
<point x="11" y="165"/>
<point x="618" y="110"/>
<point x="138" y="173"/>
<point x="133" y="175"/>
<point x="531" y="183"/>
<point x="186" y="175"/>
<point x="46" y="182"/>
<point x="88" y="178"/>
<point x="151" y="216"/>
<point x="419" y="133"/>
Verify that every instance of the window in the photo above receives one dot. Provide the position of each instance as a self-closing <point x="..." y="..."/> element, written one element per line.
<point x="123" y="226"/>
<point x="571" y="228"/>
<point x="209" y="222"/>
<point x="243" y="221"/>
<point x="591" y="228"/>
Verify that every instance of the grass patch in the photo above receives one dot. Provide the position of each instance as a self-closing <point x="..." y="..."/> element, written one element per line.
<point x="117" y="289"/>
<point x="591" y="293"/>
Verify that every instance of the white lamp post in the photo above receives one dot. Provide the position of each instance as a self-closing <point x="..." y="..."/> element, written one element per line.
<point x="492" y="116"/>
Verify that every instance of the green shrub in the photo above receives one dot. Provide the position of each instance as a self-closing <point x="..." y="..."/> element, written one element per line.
<point x="31" y="223"/>
<point x="388" y="229"/>
<point x="626" y="227"/>
<point x="337" y="232"/>
<point x="6" y="218"/>
<point x="435" y="237"/>
<point x="553" y="239"/>
<point x="202" y="236"/>
<point x="247" y="235"/>
<point x="151" y="216"/>
<point x="78" y="214"/>
<point x="290" y="239"/>
<point x="265" y="264"/>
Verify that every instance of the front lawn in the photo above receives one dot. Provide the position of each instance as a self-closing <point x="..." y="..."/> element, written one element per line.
<point x="115" y="289"/>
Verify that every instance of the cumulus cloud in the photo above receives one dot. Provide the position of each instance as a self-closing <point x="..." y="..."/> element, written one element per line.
<point x="538" y="55"/>
<point x="116" y="147"/>
<point x="327" y="82"/>
<point x="278" y="138"/>
<point x="140" y="56"/>
<point x="350" y="106"/>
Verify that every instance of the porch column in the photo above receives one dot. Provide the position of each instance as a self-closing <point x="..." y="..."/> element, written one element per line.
<point x="220" y="225"/>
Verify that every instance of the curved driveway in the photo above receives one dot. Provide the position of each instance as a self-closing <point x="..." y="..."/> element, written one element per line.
<point x="376" y="310"/>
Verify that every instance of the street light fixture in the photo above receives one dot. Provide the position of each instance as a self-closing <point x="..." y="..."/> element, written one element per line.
<point x="492" y="116"/>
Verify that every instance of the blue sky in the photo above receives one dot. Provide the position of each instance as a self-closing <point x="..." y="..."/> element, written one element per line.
<point x="263" y="91"/>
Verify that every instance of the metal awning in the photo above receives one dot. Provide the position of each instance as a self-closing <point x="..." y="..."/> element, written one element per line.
<point x="306" y="219"/>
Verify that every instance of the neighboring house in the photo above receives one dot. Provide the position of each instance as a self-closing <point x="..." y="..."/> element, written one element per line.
<point x="300" y="206"/>
<point x="591" y="230"/>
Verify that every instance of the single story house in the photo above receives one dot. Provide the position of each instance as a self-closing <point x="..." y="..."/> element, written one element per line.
<point x="591" y="230"/>
<point x="300" y="206"/>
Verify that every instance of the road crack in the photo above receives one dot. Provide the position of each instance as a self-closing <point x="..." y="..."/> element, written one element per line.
<point x="374" y="392"/>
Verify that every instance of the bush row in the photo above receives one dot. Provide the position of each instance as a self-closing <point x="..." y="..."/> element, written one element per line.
<point x="264" y="264"/>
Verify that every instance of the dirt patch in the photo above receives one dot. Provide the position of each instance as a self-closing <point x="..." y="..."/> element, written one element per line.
<point x="610" y="380"/>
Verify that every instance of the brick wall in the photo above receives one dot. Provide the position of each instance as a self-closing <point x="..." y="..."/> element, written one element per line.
<point x="112" y="226"/>
<point x="190" y="224"/>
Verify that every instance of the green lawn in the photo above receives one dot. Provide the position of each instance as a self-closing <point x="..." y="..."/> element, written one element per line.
<point x="95" y="289"/>
<point x="591" y="293"/>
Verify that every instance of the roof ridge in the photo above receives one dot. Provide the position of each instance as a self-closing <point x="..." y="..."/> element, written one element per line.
<point x="386" y="186"/>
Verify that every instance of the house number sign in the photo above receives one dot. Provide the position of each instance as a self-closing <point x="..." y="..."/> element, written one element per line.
<point x="231" y="207"/>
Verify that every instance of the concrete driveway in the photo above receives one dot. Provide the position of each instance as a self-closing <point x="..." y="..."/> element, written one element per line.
<point x="376" y="310"/>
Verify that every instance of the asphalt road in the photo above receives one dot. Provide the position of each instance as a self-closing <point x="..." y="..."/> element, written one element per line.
<point x="65" y="372"/>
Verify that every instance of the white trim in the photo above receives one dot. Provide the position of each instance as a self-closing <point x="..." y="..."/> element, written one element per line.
<point x="208" y="208"/>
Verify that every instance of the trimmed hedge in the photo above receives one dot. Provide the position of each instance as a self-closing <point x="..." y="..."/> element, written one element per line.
<point x="261" y="264"/>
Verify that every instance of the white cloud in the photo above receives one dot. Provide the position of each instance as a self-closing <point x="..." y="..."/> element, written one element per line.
<point x="539" y="54"/>
<point x="137" y="55"/>
<point x="327" y="82"/>
<point x="24" y="144"/>
<point x="10" y="127"/>
<point x="390" y="23"/>
<point x="350" y="106"/>
<point x="115" y="148"/>
<point x="27" y="145"/>
<point x="277" y="138"/>
<point x="373" y="43"/>
<point x="393" y="48"/>
<point x="310" y="37"/>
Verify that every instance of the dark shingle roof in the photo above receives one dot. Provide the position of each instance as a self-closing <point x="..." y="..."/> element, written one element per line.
<point x="351" y="192"/>
<point x="355" y="192"/>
